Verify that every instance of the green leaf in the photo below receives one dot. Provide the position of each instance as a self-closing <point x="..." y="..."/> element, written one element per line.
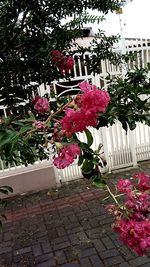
<point x="87" y="166"/>
<point x="27" y="120"/>
<point x="132" y="124"/>
<point x="89" y="137"/>
<point x="26" y="128"/>
<point x="88" y="156"/>
<point x="98" y="182"/>
<point x="75" y="139"/>
<point x="124" y="125"/>
<point x="96" y="160"/>
<point x="86" y="148"/>
<point x="148" y="66"/>
<point x="30" y="119"/>
<point x="70" y="141"/>
<point x="80" y="161"/>
<point x="147" y="120"/>
<point x="49" y="124"/>
<point x="7" y="138"/>
<point x="18" y="123"/>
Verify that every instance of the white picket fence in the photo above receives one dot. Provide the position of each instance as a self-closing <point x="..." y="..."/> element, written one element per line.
<point x="142" y="48"/>
<point x="120" y="149"/>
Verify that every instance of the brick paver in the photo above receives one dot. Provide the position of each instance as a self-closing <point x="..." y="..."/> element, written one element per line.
<point x="64" y="227"/>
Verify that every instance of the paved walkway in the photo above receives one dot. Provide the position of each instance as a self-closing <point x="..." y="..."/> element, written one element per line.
<point x="65" y="227"/>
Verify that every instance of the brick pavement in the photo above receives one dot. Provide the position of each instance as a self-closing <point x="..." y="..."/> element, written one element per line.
<point x="64" y="227"/>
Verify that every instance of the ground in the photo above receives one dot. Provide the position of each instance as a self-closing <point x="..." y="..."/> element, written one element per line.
<point x="64" y="227"/>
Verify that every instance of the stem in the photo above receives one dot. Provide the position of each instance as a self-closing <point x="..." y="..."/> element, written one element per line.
<point x="57" y="112"/>
<point x="31" y="131"/>
<point x="55" y="120"/>
<point x="113" y="196"/>
<point x="50" y="117"/>
<point x="120" y="195"/>
<point x="46" y="140"/>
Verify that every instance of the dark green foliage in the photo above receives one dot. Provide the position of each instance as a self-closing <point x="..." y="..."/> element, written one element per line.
<point x="90" y="174"/>
<point x="90" y="160"/>
<point x="15" y="146"/>
<point x="127" y="104"/>
<point x="101" y="48"/>
<point x="29" y="31"/>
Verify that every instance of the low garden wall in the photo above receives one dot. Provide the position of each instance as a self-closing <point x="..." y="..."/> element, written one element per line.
<point x="29" y="179"/>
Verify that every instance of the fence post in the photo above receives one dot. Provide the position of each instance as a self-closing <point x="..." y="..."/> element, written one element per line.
<point x="133" y="147"/>
<point x="105" y="148"/>
<point x="57" y="175"/>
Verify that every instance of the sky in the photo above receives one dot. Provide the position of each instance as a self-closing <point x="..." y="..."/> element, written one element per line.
<point x="135" y="20"/>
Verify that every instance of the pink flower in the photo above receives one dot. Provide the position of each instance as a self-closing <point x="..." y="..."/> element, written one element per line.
<point x="135" y="234"/>
<point x="130" y="203"/>
<point x="90" y="103"/>
<point x="138" y="216"/>
<point x="132" y="218"/>
<point x="39" y="125"/>
<point x="84" y="86"/>
<point x="41" y="105"/>
<point x="57" y="57"/>
<point x="66" y="156"/>
<point x="34" y="100"/>
<point x="70" y="63"/>
<point x="96" y="100"/>
<point x="143" y="181"/>
<point x="145" y="244"/>
<point x="77" y="121"/>
<point x="93" y="99"/>
<point x="64" y="63"/>
<point x="143" y="202"/>
<point x="124" y="186"/>
<point x="138" y="203"/>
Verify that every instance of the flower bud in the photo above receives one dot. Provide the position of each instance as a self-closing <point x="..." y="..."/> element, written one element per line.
<point x="58" y="145"/>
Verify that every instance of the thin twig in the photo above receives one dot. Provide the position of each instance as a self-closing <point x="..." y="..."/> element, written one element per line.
<point x="113" y="196"/>
<point x="57" y="112"/>
<point x="51" y="117"/>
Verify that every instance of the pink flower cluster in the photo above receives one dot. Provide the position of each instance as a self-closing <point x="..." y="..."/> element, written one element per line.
<point x="64" y="63"/>
<point x="66" y="156"/>
<point x="76" y="121"/>
<point x="90" y="103"/>
<point x="132" y="222"/>
<point x="84" y="113"/>
<point x="93" y="99"/>
<point x="143" y="181"/>
<point x="41" y="104"/>
<point x="39" y="125"/>
<point x="124" y="186"/>
<point x="137" y="204"/>
<point x="135" y="234"/>
<point x="58" y="133"/>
